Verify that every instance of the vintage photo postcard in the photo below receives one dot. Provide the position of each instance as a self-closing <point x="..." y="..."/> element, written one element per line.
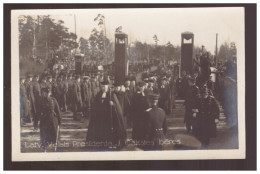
<point x="128" y="84"/>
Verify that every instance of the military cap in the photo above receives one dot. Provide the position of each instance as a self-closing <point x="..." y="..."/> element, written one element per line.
<point x="154" y="96"/>
<point x="104" y="82"/>
<point x="85" y="77"/>
<point x="36" y="75"/>
<point x="141" y="83"/>
<point x="47" y="89"/>
<point x="49" y="77"/>
<point x="163" y="78"/>
<point x="118" y="84"/>
<point x="22" y="78"/>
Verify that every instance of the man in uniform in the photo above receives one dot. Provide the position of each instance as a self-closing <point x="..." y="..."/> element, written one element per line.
<point x="76" y="99"/>
<point x="192" y="96"/>
<point x="49" y="82"/>
<point x="70" y="89"/>
<point x="50" y="119"/>
<point x="37" y="97"/>
<point x="207" y="116"/>
<point x="164" y="96"/>
<point x="64" y="90"/>
<point x="24" y="102"/>
<point x="155" y="124"/>
<point x="86" y="95"/>
<point x="29" y="89"/>
<point x="43" y="83"/>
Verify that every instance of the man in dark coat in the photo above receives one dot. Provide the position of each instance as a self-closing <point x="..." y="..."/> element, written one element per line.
<point x="206" y="117"/>
<point x="86" y="95"/>
<point x="76" y="99"/>
<point x="70" y="90"/>
<point x="64" y="87"/>
<point x="37" y="97"/>
<point x="155" y="124"/>
<point x="192" y="96"/>
<point x="30" y="94"/>
<point x="106" y="124"/>
<point x="24" y="102"/>
<point x="164" y="96"/>
<point x="140" y="104"/>
<point x="49" y="119"/>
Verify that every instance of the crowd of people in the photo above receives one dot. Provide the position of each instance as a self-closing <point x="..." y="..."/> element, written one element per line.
<point x="113" y="106"/>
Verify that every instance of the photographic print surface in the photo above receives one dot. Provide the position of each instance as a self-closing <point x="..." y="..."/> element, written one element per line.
<point x="128" y="84"/>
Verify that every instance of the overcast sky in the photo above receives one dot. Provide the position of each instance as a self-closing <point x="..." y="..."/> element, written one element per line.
<point x="167" y="24"/>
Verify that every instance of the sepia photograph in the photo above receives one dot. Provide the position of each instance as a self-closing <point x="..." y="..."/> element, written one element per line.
<point x="128" y="84"/>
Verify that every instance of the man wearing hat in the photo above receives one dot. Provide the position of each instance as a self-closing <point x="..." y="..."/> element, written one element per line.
<point x="164" y="95"/>
<point x="49" y="82"/>
<point x="70" y="89"/>
<point x="86" y="95"/>
<point x="50" y="119"/>
<point x="192" y="97"/>
<point x="43" y="83"/>
<point x="155" y="124"/>
<point x="106" y="123"/>
<point x="37" y="97"/>
<point x="24" y="102"/>
<point x="29" y="89"/>
<point x="64" y="86"/>
<point x="206" y="116"/>
<point x="76" y="98"/>
<point x="140" y="104"/>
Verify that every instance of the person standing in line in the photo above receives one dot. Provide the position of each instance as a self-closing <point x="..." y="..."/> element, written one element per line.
<point x="50" y="119"/>
<point x="24" y="103"/>
<point x="29" y="90"/>
<point x="76" y="99"/>
<point x="37" y="97"/>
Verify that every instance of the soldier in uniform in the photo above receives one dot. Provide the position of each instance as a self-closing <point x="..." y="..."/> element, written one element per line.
<point x="24" y="102"/>
<point x="43" y="83"/>
<point x="164" y="96"/>
<point x="86" y="95"/>
<point x="49" y="119"/>
<point x="55" y="86"/>
<point x="207" y="116"/>
<point x="29" y="90"/>
<point x="192" y="96"/>
<point x="49" y="82"/>
<point x="70" y="89"/>
<point x="155" y="124"/>
<point x="37" y="97"/>
<point x="76" y="98"/>
<point x="64" y="90"/>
